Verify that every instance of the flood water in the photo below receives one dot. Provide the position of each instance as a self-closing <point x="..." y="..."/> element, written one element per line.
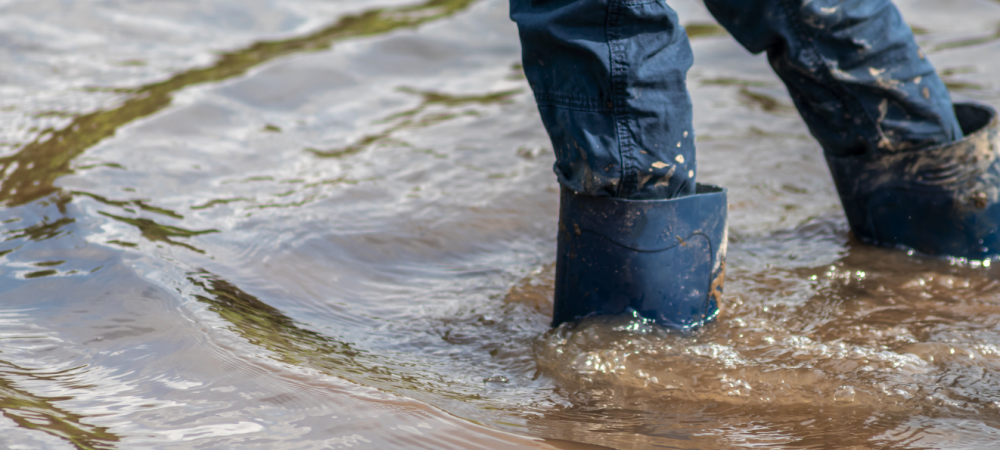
<point x="312" y="224"/>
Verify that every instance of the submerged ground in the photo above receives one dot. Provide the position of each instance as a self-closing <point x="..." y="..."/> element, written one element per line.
<point x="313" y="224"/>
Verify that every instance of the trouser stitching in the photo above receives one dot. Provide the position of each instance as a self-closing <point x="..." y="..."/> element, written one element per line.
<point x="619" y="96"/>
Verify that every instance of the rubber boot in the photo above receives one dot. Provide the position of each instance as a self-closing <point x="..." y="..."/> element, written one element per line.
<point x="940" y="201"/>
<point x="664" y="259"/>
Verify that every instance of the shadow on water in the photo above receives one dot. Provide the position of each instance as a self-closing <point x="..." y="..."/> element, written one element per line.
<point x="37" y="413"/>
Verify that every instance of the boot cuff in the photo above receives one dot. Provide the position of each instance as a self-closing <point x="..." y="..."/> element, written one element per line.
<point x="941" y="200"/>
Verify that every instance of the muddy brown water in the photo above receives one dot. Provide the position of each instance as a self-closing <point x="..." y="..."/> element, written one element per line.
<point x="313" y="224"/>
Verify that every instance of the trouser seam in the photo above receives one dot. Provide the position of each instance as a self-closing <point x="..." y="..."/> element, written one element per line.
<point x="873" y="133"/>
<point x="619" y="97"/>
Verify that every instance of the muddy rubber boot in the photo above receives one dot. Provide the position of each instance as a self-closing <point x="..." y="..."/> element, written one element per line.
<point x="664" y="259"/>
<point x="942" y="201"/>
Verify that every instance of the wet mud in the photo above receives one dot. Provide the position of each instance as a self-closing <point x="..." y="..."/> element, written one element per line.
<point x="332" y="225"/>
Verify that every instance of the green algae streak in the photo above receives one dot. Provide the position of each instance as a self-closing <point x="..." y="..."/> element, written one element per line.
<point x="37" y="413"/>
<point x="32" y="171"/>
<point x="412" y="118"/>
<point x="30" y="175"/>
<point x="290" y="342"/>
<point x="701" y="30"/>
<point x="157" y="232"/>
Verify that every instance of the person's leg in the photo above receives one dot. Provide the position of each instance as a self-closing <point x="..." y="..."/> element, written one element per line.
<point x="890" y="133"/>
<point x="609" y="80"/>
<point x="852" y="68"/>
<point x="635" y="231"/>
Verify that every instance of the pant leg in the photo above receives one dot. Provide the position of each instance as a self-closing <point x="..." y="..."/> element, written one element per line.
<point x="852" y="68"/>
<point x="609" y="80"/>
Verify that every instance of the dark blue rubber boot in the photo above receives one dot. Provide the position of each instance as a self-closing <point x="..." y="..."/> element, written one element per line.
<point x="664" y="259"/>
<point x="942" y="200"/>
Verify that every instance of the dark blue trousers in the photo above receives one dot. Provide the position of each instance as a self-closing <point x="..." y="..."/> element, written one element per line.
<point x="609" y="80"/>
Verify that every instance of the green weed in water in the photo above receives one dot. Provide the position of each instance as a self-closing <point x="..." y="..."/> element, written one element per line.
<point x="725" y="81"/>
<point x="156" y="232"/>
<point x="968" y="42"/>
<point x="33" y="170"/>
<point x="415" y="117"/>
<point x="38" y="413"/>
<point x="40" y="274"/>
<point x="763" y="101"/>
<point x="267" y="327"/>
<point x="700" y="30"/>
<point x="42" y="231"/>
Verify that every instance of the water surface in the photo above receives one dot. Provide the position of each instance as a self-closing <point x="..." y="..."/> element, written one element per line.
<point x="309" y="224"/>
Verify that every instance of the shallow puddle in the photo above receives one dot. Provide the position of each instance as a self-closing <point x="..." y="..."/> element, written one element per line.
<point x="311" y="224"/>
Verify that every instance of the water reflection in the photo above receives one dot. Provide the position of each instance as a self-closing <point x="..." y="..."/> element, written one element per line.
<point x="30" y="174"/>
<point x="450" y="106"/>
<point x="38" y="413"/>
<point x="156" y="232"/>
<point x="394" y="228"/>
<point x="46" y="229"/>
<point x="967" y="42"/>
<point x="267" y="327"/>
